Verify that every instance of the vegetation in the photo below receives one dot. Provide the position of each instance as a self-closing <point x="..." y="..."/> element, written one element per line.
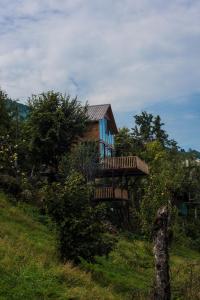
<point x="4" y="113"/>
<point x="80" y="225"/>
<point x="54" y="124"/>
<point x="30" y="266"/>
<point x="171" y="180"/>
<point x="50" y="178"/>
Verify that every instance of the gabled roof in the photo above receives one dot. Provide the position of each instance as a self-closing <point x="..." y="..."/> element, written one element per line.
<point x="98" y="112"/>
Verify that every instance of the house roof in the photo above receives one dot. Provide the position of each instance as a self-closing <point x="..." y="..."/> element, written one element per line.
<point x="98" y="112"/>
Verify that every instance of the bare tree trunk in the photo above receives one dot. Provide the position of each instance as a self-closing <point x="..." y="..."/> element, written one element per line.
<point x="160" y="237"/>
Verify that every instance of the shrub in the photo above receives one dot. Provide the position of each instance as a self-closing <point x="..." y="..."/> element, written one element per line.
<point x="10" y="185"/>
<point x="81" y="228"/>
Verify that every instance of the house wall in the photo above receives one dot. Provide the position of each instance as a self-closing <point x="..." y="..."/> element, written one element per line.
<point x="92" y="132"/>
<point x="106" y="136"/>
<point x="99" y="130"/>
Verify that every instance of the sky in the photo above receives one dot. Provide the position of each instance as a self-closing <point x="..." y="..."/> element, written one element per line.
<point x="135" y="54"/>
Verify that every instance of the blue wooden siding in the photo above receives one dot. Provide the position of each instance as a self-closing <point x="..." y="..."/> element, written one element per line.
<point x="106" y="136"/>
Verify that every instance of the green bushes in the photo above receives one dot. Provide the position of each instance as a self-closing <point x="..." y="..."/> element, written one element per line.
<point x="192" y="231"/>
<point x="80" y="225"/>
<point x="9" y="184"/>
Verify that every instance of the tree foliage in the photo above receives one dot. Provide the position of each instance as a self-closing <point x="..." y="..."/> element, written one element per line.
<point x="54" y="123"/>
<point x="5" y="120"/>
<point x="159" y="188"/>
<point x="150" y="128"/>
<point x="83" y="158"/>
<point x="124" y="144"/>
<point x="80" y="225"/>
<point x="174" y="174"/>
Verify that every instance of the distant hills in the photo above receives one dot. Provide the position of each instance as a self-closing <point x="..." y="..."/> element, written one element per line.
<point x="18" y="108"/>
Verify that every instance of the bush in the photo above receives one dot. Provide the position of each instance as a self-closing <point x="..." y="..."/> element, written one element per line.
<point x="82" y="233"/>
<point x="10" y="185"/>
<point x="192" y="231"/>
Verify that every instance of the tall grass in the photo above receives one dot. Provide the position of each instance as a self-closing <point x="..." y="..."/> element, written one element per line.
<point x="30" y="267"/>
<point x="130" y="271"/>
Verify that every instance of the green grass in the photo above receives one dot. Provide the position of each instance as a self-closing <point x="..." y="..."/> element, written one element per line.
<point x="130" y="270"/>
<point x="30" y="267"/>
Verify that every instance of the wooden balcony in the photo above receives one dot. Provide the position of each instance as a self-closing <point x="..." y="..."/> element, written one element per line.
<point x="110" y="194"/>
<point x="119" y="166"/>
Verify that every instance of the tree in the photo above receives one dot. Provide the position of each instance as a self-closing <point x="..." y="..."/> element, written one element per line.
<point x="55" y="122"/>
<point x="157" y="131"/>
<point x="5" y="120"/>
<point x="165" y="180"/>
<point x="84" y="158"/>
<point x="150" y="128"/>
<point x="193" y="153"/>
<point x="80" y="225"/>
<point x="8" y="147"/>
<point x="143" y="127"/>
<point x="123" y="142"/>
<point x="162" y="289"/>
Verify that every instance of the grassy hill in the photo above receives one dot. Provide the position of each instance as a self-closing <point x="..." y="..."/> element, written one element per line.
<point x="30" y="268"/>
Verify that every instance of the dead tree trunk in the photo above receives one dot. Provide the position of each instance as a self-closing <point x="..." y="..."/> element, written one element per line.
<point x="160" y="250"/>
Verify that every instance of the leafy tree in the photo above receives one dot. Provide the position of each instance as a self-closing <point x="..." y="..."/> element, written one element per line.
<point x="80" y="225"/>
<point x="157" y="131"/>
<point x="9" y="172"/>
<point x="193" y="153"/>
<point x="83" y="158"/>
<point x="150" y="128"/>
<point x="165" y="179"/>
<point x="169" y="179"/>
<point x="5" y="120"/>
<point x="143" y="127"/>
<point x="55" y="122"/>
<point x="124" y="142"/>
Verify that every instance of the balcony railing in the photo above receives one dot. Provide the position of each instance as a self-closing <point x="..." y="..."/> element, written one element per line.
<point x="131" y="164"/>
<point x="110" y="193"/>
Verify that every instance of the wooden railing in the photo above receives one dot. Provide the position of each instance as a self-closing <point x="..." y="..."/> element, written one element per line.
<point x="124" y="162"/>
<point x="110" y="193"/>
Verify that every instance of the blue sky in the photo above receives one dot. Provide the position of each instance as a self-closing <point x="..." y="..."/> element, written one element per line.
<point x="182" y="120"/>
<point x="137" y="55"/>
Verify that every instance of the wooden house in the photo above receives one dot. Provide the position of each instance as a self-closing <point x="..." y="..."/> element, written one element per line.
<point x="102" y="129"/>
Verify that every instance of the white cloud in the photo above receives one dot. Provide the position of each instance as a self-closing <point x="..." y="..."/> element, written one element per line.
<point x="129" y="53"/>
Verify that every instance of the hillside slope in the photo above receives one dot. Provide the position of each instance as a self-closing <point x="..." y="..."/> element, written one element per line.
<point x="130" y="270"/>
<point x="30" y="268"/>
